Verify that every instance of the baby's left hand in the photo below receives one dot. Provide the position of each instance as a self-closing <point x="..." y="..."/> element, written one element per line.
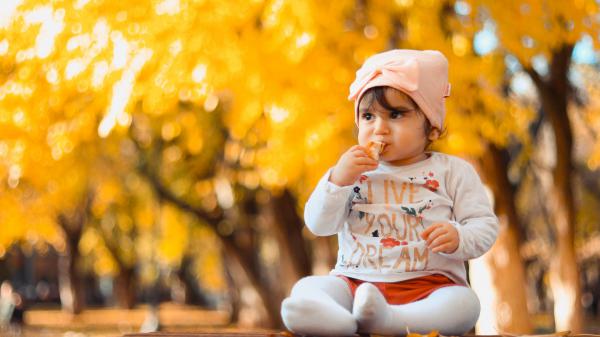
<point x="441" y="238"/>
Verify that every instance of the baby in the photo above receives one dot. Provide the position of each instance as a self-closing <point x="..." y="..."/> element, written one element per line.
<point x="406" y="218"/>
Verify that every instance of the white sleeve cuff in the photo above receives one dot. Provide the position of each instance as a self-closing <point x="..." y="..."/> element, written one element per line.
<point x="334" y="191"/>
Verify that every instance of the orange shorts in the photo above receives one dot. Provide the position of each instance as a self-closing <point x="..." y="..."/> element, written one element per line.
<point x="404" y="291"/>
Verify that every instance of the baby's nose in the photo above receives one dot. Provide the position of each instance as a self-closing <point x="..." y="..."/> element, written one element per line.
<point x="381" y="126"/>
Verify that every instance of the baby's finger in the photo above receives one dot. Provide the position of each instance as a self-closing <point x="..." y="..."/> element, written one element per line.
<point x="442" y="248"/>
<point x="369" y="165"/>
<point x="440" y="240"/>
<point x="365" y="161"/>
<point x="437" y="232"/>
<point x="354" y="149"/>
<point x="425" y="234"/>
<point x="361" y="149"/>
<point x="360" y="154"/>
<point x="357" y="148"/>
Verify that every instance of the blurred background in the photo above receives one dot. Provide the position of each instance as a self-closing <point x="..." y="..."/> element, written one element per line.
<point x="155" y="156"/>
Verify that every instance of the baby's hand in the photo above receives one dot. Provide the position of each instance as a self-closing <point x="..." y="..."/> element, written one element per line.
<point x="351" y="165"/>
<point x="441" y="238"/>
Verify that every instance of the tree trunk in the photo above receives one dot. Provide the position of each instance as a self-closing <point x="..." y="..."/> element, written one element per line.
<point x="564" y="272"/>
<point x="233" y="292"/>
<point x="125" y="287"/>
<point x="269" y="296"/>
<point x="70" y="286"/>
<point x="193" y="292"/>
<point x="504" y="305"/>
<point x="295" y="261"/>
<point x="125" y="284"/>
<point x="69" y="278"/>
<point x="241" y="245"/>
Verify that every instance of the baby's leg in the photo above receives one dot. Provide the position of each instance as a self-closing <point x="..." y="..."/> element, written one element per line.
<point x="451" y="310"/>
<point x="319" y="305"/>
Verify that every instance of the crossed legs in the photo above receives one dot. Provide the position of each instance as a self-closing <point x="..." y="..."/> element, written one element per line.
<point x="323" y="305"/>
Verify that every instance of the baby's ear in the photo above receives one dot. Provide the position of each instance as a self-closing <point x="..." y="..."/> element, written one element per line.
<point x="434" y="134"/>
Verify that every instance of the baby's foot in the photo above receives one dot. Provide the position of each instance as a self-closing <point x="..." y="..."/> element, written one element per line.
<point x="310" y="316"/>
<point x="370" y="309"/>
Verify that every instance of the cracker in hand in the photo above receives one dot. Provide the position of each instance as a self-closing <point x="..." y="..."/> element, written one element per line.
<point x="374" y="149"/>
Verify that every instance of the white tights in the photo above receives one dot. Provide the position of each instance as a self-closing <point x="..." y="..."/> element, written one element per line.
<point x="323" y="305"/>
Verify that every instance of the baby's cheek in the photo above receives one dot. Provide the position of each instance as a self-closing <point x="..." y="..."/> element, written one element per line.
<point x="363" y="140"/>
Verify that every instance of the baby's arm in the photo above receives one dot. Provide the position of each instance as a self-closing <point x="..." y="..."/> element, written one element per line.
<point x="327" y="208"/>
<point x="476" y="222"/>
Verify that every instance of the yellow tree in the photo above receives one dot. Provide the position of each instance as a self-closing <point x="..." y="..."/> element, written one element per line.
<point x="263" y="82"/>
<point x="54" y="200"/>
<point x="541" y="36"/>
<point x="85" y="66"/>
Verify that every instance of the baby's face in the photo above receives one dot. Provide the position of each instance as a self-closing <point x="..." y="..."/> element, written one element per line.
<point x="401" y="129"/>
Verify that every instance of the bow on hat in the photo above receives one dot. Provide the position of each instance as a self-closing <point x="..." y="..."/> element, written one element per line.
<point x="401" y="74"/>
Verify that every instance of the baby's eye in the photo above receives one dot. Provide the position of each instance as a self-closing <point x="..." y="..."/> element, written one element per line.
<point x="396" y="114"/>
<point x="367" y="116"/>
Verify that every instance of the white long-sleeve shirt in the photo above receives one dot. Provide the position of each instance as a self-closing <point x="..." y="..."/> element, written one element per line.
<point x="379" y="218"/>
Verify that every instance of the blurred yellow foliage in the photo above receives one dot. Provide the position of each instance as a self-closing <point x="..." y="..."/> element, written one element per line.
<point x="77" y="76"/>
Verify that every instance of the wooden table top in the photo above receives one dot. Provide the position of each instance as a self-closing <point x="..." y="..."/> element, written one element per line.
<point x="288" y="334"/>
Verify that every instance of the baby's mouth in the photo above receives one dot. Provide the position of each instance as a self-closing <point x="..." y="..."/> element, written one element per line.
<point x="380" y="146"/>
<point x="383" y="148"/>
<point x="377" y="147"/>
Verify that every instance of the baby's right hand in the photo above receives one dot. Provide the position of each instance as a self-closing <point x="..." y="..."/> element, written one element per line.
<point x="351" y="165"/>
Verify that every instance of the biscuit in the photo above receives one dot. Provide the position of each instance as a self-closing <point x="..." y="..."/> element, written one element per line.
<point x="374" y="149"/>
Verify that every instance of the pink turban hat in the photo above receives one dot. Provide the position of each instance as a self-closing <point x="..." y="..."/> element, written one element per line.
<point x="422" y="75"/>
